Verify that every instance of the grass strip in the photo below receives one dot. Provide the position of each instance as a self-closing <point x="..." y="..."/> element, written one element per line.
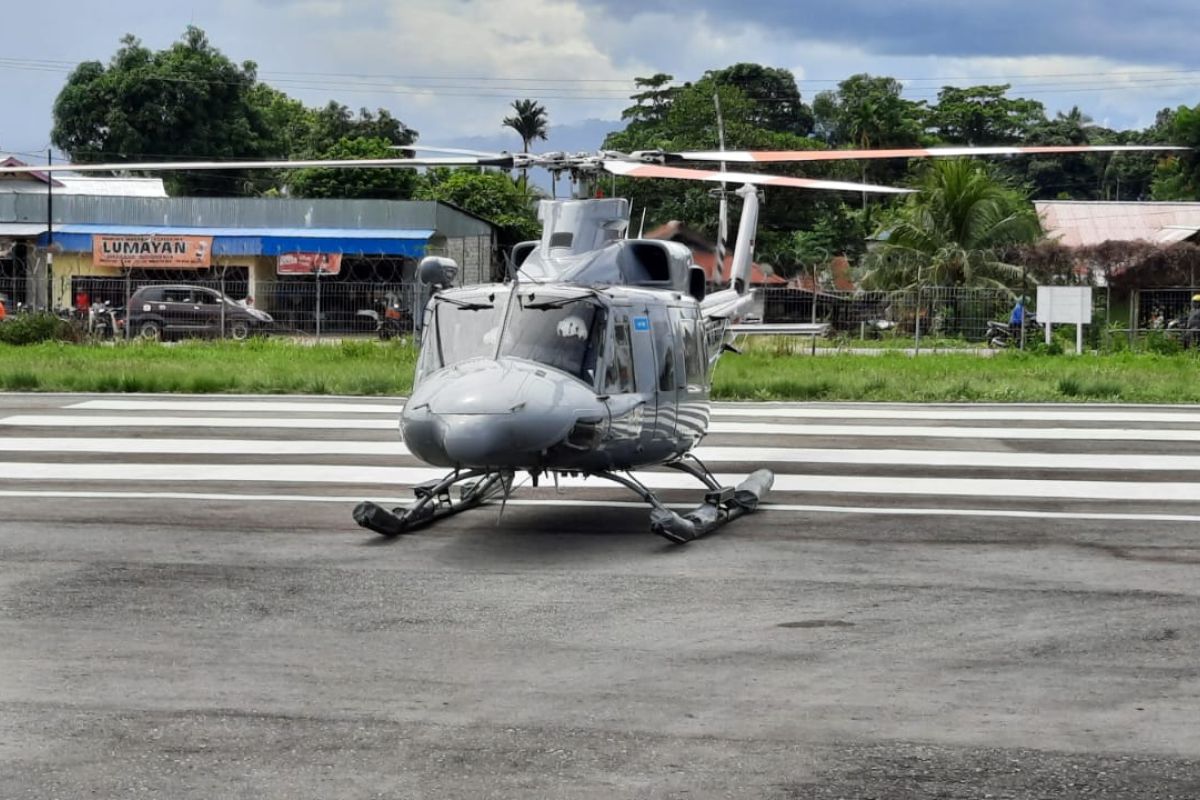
<point x="373" y="368"/>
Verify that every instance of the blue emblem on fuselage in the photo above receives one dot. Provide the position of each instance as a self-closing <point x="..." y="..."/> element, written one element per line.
<point x="641" y="323"/>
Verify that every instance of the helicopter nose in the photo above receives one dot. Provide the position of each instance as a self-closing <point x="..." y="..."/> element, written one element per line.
<point x="494" y="414"/>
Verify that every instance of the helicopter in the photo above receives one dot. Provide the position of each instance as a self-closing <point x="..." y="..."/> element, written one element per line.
<point x="594" y="357"/>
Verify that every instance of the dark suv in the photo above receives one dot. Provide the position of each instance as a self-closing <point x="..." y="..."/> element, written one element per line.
<point x="156" y="312"/>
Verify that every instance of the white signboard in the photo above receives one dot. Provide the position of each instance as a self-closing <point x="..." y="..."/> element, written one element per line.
<point x="1066" y="304"/>
<point x="1071" y="305"/>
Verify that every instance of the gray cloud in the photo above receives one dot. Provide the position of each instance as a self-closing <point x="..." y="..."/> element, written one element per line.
<point x="1151" y="32"/>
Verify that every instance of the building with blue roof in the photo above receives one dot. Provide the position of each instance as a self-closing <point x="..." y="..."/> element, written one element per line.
<point x="102" y="244"/>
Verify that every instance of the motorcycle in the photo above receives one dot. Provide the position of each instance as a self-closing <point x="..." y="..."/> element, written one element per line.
<point x="1002" y="334"/>
<point x="394" y="319"/>
<point x="104" y="321"/>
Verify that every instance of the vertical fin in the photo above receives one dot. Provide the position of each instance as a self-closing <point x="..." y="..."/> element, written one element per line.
<point x="743" y="250"/>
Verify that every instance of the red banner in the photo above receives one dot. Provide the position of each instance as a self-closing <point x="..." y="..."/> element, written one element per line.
<point x="309" y="263"/>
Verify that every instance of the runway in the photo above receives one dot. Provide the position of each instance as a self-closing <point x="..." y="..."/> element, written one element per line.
<point x="942" y="601"/>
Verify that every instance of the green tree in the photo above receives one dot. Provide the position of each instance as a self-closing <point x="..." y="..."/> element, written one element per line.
<point x="334" y="122"/>
<point x="775" y="102"/>
<point x="868" y="111"/>
<point x="651" y="103"/>
<point x="983" y="115"/>
<point x="1178" y="176"/>
<point x="951" y="231"/>
<point x="491" y="195"/>
<point x="690" y="124"/>
<point x="375" y="184"/>
<point x="188" y="101"/>
<point x="531" y="123"/>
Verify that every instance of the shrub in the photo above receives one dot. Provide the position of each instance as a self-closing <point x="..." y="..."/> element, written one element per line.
<point x="34" y="328"/>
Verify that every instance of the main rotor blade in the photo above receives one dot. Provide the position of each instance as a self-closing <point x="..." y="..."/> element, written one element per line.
<point x="169" y="166"/>
<point x="413" y="148"/>
<point x="767" y="156"/>
<point x="632" y="170"/>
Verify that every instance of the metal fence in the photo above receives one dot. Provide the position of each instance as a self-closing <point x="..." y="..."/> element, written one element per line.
<point x="234" y="309"/>
<point x="932" y="313"/>
<point x="930" y="317"/>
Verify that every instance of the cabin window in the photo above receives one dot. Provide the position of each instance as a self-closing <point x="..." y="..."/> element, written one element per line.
<point x="619" y="378"/>
<point x="693" y="357"/>
<point x="664" y="351"/>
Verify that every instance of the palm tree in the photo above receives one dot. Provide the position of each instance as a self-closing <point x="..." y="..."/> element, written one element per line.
<point x="950" y="231"/>
<point x="531" y="123"/>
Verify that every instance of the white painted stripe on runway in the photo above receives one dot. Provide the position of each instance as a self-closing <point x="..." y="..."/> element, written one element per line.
<point x="143" y="421"/>
<point x="982" y="459"/>
<point x="261" y="406"/>
<point x="407" y="476"/>
<point x="935" y="432"/>
<point x="249" y="447"/>
<point x="767" y="506"/>
<point x="739" y="410"/>
<point x="965" y="414"/>
<point x="766" y="428"/>
<point x="713" y="455"/>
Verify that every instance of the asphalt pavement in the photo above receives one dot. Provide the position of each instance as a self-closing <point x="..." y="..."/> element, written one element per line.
<point x="939" y="601"/>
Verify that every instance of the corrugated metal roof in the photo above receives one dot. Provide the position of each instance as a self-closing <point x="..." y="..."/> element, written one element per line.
<point x="1078" y="223"/>
<point x="109" y="187"/>
<point x="250" y="212"/>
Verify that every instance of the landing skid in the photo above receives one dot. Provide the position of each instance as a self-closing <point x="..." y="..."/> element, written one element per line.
<point x="722" y="504"/>
<point x="434" y="502"/>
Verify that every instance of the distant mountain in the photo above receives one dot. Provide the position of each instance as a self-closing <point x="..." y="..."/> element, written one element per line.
<point x="584" y="136"/>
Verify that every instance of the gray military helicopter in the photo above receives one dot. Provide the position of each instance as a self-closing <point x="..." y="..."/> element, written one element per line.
<point x="595" y="357"/>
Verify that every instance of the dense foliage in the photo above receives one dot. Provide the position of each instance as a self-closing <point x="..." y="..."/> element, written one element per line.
<point x="189" y="101"/>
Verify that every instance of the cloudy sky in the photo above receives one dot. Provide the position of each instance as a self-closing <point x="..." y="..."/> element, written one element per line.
<point x="449" y="68"/>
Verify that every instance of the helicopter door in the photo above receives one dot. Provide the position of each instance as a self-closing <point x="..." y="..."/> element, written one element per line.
<point x="666" y="362"/>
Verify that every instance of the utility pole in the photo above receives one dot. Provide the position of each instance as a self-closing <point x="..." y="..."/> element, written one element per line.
<point x="49" y="232"/>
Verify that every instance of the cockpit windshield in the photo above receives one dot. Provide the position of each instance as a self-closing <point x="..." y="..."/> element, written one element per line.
<point x="563" y="333"/>
<point x="460" y="332"/>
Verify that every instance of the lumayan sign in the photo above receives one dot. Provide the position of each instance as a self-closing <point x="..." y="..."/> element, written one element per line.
<point x="152" y="250"/>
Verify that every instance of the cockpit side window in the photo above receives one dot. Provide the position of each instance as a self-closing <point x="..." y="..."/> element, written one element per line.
<point x="619" y="377"/>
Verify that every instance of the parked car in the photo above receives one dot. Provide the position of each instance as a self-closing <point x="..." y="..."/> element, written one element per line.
<point x="157" y="312"/>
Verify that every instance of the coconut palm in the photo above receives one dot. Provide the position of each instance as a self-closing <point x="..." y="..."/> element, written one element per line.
<point x="950" y="231"/>
<point x="530" y="122"/>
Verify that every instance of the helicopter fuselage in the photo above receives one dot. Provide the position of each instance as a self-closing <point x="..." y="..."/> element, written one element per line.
<point x="559" y="377"/>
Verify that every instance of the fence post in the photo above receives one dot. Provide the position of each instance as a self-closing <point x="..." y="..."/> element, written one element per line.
<point x="917" y="345"/>
<point x="222" y="274"/>
<point x="814" y="310"/>
<point x="318" y="272"/>
<point x="1134" y="296"/>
